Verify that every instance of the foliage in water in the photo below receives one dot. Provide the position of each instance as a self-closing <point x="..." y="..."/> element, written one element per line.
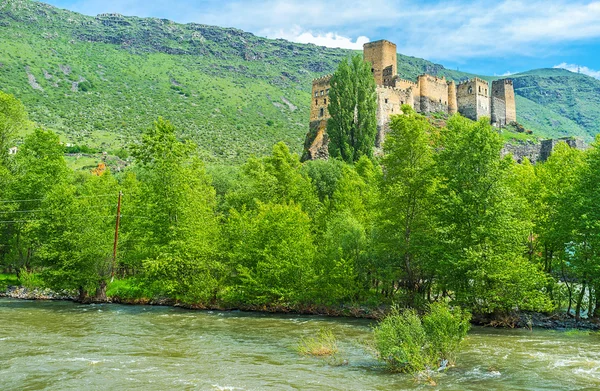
<point x="407" y="342"/>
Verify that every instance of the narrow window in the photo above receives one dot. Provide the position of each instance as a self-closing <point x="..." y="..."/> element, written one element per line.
<point x="327" y="91"/>
<point x="316" y="101"/>
<point x="325" y="101"/>
<point x="386" y="101"/>
<point x="480" y="89"/>
<point x="322" y="92"/>
<point x="372" y="70"/>
<point x="316" y="93"/>
<point x="321" y="112"/>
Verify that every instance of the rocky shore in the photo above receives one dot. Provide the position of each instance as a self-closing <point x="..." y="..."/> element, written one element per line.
<point x="20" y="292"/>
<point x="525" y="320"/>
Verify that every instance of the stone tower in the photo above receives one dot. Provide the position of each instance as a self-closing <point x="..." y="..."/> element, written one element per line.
<point x="472" y="97"/>
<point x="504" y="110"/>
<point x="384" y="61"/>
<point x="452" y="105"/>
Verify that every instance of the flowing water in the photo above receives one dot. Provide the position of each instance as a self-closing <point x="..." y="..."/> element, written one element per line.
<point x="67" y="346"/>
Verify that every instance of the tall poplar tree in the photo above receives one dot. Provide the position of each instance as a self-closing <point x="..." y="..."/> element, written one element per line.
<point x="352" y="106"/>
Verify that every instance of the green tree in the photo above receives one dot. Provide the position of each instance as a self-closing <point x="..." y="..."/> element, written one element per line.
<point x="482" y="236"/>
<point x="13" y="118"/>
<point x="78" y="227"/>
<point x="580" y="214"/>
<point x="271" y="253"/>
<point x="406" y="223"/>
<point x="180" y="227"/>
<point x="38" y="168"/>
<point x="352" y="106"/>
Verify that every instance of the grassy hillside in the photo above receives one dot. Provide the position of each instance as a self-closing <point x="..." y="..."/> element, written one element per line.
<point x="100" y="80"/>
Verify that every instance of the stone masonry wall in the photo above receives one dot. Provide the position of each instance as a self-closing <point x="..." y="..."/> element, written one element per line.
<point x="320" y="99"/>
<point x="452" y="105"/>
<point x="384" y="61"/>
<point x="389" y="102"/>
<point x="433" y="93"/>
<point x="504" y="90"/>
<point x="498" y="111"/>
<point x="473" y="100"/>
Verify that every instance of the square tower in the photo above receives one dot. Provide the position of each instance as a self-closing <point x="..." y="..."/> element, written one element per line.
<point x="472" y="98"/>
<point x="504" y="110"/>
<point x="384" y="61"/>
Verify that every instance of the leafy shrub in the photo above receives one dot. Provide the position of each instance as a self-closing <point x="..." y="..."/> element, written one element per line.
<point x="30" y="280"/>
<point x="129" y="289"/>
<point x="7" y="280"/>
<point x="409" y="343"/>
<point x="320" y="345"/>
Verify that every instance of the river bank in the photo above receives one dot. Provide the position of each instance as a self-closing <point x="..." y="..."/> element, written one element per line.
<point x="524" y="320"/>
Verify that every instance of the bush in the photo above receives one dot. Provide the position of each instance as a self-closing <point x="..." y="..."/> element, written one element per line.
<point x="409" y="343"/>
<point x="30" y="280"/>
<point x="129" y="289"/>
<point x="323" y="344"/>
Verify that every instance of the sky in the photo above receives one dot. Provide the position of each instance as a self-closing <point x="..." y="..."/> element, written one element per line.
<point x="491" y="37"/>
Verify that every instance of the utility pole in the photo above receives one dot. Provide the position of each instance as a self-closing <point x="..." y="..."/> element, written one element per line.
<point x="114" y="260"/>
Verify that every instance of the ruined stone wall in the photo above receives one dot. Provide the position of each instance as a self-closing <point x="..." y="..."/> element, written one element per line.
<point x="472" y="97"/>
<point x="433" y="94"/>
<point x="498" y="107"/>
<point x="521" y="151"/>
<point x="452" y="105"/>
<point x="504" y="90"/>
<point x="389" y="102"/>
<point x="320" y="99"/>
<point x="539" y="152"/>
<point x="384" y="61"/>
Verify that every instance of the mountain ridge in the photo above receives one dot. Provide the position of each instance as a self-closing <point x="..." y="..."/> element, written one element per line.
<point x="100" y="80"/>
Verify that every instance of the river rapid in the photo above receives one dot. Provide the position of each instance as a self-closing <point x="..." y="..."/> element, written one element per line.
<point x="56" y="345"/>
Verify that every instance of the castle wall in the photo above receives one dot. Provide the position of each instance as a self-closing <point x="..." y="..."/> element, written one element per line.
<point x="472" y="97"/>
<point x="433" y="94"/>
<point x="389" y="102"/>
<point x="384" y="61"/>
<point x="498" y="107"/>
<point x="504" y="90"/>
<point x="320" y="99"/>
<point x="452" y="105"/>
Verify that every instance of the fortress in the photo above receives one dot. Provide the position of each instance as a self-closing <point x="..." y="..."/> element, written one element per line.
<point x="472" y="98"/>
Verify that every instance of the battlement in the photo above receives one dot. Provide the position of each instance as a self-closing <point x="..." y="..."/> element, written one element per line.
<point x="391" y="88"/>
<point x="432" y="78"/>
<point x="473" y="80"/>
<point x="407" y="82"/>
<point x="322" y="79"/>
<point x="379" y="43"/>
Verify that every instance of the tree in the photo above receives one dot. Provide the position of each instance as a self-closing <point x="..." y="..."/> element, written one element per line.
<point x="352" y="106"/>
<point x="271" y="252"/>
<point x="12" y="119"/>
<point x="180" y="227"/>
<point x="483" y="238"/>
<point x="406" y="222"/>
<point x="38" y="168"/>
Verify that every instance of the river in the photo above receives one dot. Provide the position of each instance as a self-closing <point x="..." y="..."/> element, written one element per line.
<point x="59" y="345"/>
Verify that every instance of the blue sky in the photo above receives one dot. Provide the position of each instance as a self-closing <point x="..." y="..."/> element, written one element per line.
<point x="486" y="37"/>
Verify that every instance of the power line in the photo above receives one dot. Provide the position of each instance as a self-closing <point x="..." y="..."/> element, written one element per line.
<point x="42" y="199"/>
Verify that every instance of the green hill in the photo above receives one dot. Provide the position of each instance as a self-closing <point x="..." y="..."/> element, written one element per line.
<point x="100" y="80"/>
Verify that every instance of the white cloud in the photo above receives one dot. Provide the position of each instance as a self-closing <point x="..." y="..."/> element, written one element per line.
<point x="454" y="29"/>
<point x="333" y="40"/>
<point x="579" y="69"/>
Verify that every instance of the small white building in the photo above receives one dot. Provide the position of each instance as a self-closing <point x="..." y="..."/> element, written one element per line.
<point x="13" y="150"/>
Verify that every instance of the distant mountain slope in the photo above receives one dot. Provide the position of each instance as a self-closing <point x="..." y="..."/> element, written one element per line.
<point x="100" y="80"/>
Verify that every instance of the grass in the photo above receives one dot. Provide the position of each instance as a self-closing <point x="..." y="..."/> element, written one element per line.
<point x="7" y="280"/>
<point x="323" y="344"/>
<point x="223" y="88"/>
